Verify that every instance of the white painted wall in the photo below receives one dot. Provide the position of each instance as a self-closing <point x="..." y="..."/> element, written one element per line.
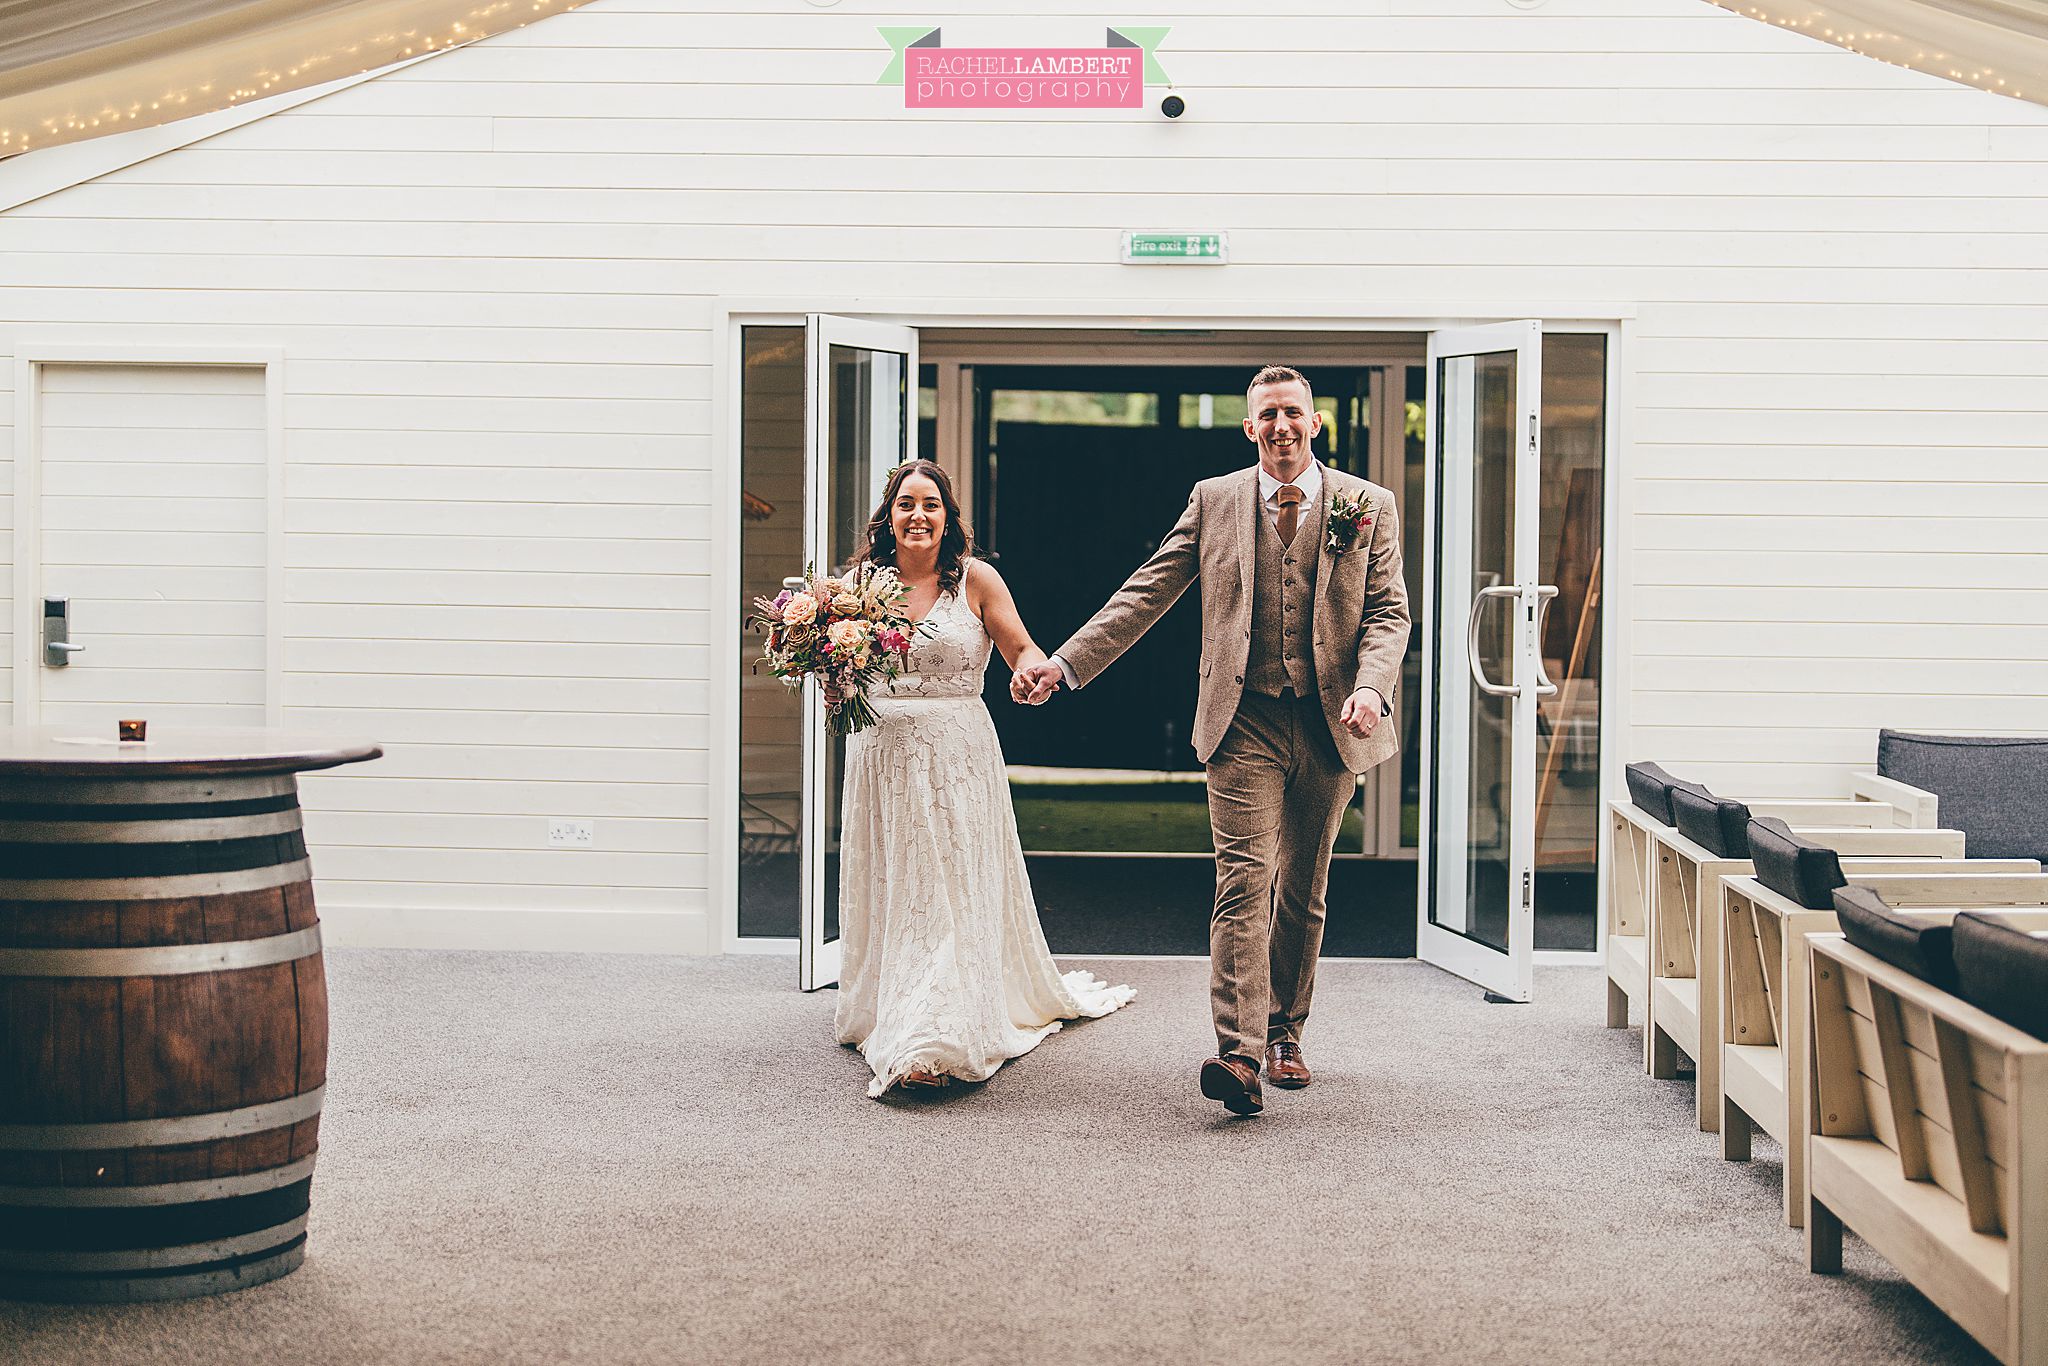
<point x="494" y="276"/>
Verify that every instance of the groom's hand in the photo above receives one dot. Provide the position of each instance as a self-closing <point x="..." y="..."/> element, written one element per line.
<point x="1033" y="685"/>
<point x="1361" y="712"/>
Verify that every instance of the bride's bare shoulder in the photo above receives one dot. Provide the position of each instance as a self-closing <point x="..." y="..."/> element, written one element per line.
<point x="977" y="575"/>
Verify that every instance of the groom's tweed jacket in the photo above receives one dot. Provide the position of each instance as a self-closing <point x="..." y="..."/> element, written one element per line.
<point x="1358" y="616"/>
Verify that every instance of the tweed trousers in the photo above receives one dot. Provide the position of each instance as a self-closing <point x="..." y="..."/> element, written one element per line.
<point x="1277" y="793"/>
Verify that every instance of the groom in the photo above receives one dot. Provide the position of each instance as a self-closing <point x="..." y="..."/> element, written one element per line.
<point x="1304" y="620"/>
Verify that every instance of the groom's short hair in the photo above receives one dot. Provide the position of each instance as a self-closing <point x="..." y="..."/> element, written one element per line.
<point x="1279" y="374"/>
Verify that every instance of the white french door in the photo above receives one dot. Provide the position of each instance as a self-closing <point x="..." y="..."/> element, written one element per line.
<point x="860" y="422"/>
<point x="1482" y="657"/>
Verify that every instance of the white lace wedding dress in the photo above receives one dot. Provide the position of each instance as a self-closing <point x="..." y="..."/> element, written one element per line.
<point x="943" y="964"/>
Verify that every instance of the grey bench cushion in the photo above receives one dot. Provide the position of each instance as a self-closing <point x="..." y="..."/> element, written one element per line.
<point x="1715" y="823"/>
<point x="1993" y="789"/>
<point x="1649" y="787"/>
<point x="1919" y="947"/>
<point x="1792" y="867"/>
<point x="2002" y="971"/>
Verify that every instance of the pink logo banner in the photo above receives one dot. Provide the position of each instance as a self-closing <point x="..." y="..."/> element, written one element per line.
<point x="1023" y="77"/>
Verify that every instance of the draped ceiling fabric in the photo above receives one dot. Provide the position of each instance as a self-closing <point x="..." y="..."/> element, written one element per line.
<point x="1998" y="45"/>
<point x="75" y="69"/>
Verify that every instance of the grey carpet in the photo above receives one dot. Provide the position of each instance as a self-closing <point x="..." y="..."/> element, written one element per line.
<point x="555" y="1158"/>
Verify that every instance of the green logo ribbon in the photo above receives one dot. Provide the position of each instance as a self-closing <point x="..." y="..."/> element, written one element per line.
<point x="1147" y="40"/>
<point x="898" y="39"/>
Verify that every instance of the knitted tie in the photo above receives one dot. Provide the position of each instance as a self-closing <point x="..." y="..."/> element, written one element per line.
<point x="1290" y="512"/>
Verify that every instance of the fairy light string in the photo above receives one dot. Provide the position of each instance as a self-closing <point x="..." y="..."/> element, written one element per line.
<point x="176" y="79"/>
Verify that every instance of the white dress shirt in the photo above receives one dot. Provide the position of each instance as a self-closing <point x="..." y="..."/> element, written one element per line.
<point x="1310" y="484"/>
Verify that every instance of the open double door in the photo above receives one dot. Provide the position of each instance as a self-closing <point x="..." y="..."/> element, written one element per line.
<point x="1481" y="615"/>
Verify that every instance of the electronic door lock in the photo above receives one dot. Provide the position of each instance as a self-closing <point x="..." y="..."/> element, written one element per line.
<point x="57" y="646"/>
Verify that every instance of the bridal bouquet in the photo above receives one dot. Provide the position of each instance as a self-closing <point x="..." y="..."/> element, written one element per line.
<point x="851" y="631"/>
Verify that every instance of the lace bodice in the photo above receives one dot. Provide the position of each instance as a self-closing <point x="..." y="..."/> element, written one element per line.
<point x="947" y="658"/>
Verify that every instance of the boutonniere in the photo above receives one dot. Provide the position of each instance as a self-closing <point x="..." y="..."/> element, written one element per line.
<point x="1348" y="517"/>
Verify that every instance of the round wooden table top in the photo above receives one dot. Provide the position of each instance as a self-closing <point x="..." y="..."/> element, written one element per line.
<point x="86" y="752"/>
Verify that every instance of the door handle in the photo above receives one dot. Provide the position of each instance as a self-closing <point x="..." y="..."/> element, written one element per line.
<point x="1546" y="593"/>
<point x="1479" y="678"/>
<point x="57" y="646"/>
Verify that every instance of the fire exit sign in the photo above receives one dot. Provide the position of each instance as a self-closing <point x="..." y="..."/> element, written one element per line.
<point x="1176" y="248"/>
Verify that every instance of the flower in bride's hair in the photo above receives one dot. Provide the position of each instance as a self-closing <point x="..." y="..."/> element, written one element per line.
<point x="800" y="610"/>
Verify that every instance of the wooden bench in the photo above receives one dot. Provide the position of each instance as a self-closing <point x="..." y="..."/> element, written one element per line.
<point x="1929" y="1138"/>
<point x="1872" y="802"/>
<point x="1763" y="984"/>
<point x="1686" y="935"/>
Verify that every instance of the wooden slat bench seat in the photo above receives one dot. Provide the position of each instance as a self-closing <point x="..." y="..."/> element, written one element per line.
<point x="1929" y="1138"/>
<point x="1686" y="922"/>
<point x="1765" y="1017"/>
<point x="1869" y="801"/>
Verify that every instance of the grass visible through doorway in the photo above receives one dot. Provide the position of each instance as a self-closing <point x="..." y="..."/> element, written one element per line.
<point x="1138" y="818"/>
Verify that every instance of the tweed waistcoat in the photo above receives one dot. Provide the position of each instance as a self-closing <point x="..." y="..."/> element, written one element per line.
<point x="1283" y="597"/>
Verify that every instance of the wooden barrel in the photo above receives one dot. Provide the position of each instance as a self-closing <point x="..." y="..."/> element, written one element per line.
<point x="163" y="1035"/>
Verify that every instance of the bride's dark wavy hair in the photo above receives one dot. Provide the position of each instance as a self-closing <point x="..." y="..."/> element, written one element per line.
<point x="956" y="542"/>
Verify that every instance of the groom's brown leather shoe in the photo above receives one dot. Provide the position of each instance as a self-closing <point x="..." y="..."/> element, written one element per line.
<point x="1235" y="1082"/>
<point x="1284" y="1067"/>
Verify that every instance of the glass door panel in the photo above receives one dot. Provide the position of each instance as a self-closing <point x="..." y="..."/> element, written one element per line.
<point x="1482" y="675"/>
<point x="861" y="420"/>
<point x="1568" y="724"/>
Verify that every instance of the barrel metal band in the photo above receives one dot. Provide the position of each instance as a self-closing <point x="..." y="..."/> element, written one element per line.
<point x="166" y="960"/>
<point x="161" y="1133"/>
<point x="155" y="888"/>
<point x="151" y="832"/>
<point x="168" y="1193"/>
<point x="119" y="1289"/>
<point x="145" y="791"/>
<point x="156" y="1258"/>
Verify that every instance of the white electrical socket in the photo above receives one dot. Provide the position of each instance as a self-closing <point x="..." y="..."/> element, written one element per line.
<point x="564" y="832"/>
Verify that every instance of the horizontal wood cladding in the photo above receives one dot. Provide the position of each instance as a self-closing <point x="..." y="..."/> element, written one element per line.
<point x="1322" y="203"/>
<point x="438" y="256"/>
<point x="493" y="277"/>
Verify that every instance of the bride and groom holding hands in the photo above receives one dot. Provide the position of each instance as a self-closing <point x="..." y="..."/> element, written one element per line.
<point x="945" y="971"/>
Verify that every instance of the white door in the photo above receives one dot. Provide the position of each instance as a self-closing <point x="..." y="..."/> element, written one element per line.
<point x="146" y="594"/>
<point x="1482" y="663"/>
<point x="860" y="423"/>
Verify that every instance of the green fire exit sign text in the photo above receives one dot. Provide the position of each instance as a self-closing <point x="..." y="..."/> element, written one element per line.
<point x="1176" y="248"/>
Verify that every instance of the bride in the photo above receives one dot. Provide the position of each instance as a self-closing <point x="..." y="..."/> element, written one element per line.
<point x="944" y="972"/>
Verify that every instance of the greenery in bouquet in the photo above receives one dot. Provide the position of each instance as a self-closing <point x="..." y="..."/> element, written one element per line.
<point x="850" y="631"/>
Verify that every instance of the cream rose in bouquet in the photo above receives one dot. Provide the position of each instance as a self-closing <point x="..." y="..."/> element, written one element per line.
<point x="850" y="630"/>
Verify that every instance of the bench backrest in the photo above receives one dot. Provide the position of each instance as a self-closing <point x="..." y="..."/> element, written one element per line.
<point x="1992" y="787"/>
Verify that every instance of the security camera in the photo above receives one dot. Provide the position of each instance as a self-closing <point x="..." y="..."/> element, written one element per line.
<point x="1173" y="106"/>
